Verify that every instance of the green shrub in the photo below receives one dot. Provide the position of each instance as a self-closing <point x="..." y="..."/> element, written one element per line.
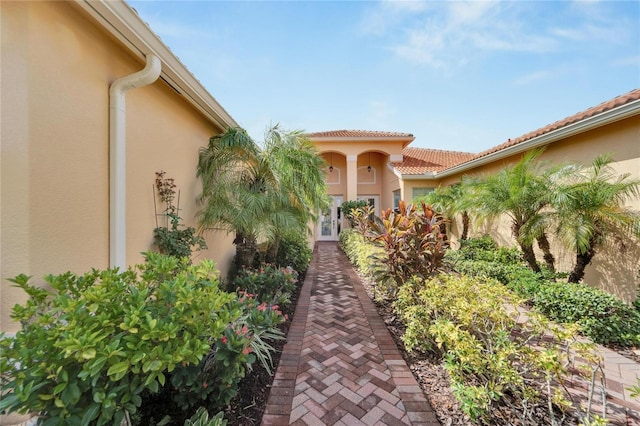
<point x="484" y="243"/>
<point x="269" y="284"/>
<point x="294" y="251"/>
<point x="89" y="350"/>
<point x="486" y="249"/>
<point x="361" y="253"/>
<point x="179" y="240"/>
<point x="601" y="316"/>
<point x="517" y="277"/>
<point x="101" y="346"/>
<point x="486" y="352"/>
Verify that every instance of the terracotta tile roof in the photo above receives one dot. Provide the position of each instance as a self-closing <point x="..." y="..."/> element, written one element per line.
<point x="598" y="109"/>
<point x="417" y="161"/>
<point x="358" y="134"/>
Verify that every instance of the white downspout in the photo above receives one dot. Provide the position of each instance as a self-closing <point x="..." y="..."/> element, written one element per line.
<point x="118" y="157"/>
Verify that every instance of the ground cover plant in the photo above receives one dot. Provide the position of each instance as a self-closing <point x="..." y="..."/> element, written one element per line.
<point x="111" y="345"/>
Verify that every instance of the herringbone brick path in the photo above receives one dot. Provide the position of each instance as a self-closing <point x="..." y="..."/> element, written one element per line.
<point x="340" y="365"/>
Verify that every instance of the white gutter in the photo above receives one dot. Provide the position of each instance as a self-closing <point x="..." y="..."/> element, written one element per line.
<point x="118" y="157"/>
<point x="611" y="116"/>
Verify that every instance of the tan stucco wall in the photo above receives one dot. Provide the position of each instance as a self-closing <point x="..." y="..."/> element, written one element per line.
<point x="616" y="266"/>
<point x="336" y="179"/>
<point x="56" y="70"/>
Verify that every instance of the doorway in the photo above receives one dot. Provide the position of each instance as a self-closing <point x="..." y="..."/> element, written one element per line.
<point x="330" y="223"/>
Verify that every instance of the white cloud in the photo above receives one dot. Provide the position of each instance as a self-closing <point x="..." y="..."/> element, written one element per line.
<point x="387" y="14"/>
<point x="447" y="34"/>
<point x="459" y="30"/>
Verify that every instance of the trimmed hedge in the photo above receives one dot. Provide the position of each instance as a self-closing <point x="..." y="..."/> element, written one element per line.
<point x="601" y="316"/>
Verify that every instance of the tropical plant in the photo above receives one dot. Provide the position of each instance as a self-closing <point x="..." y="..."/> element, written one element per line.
<point x="349" y="207"/>
<point x="259" y="192"/>
<point x="589" y="206"/>
<point x="520" y="192"/>
<point x="411" y="240"/>
<point x="450" y="201"/>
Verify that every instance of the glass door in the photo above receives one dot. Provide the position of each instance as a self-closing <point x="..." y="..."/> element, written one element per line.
<point x="330" y="222"/>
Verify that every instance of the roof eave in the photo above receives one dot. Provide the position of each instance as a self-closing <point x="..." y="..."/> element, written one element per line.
<point x="616" y="114"/>
<point x="423" y="176"/>
<point x="121" y="21"/>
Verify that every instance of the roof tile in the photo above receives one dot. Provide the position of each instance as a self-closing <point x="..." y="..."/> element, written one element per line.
<point x="598" y="109"/>
<point x="358" y="134"/>
<point x="419" y="161"/>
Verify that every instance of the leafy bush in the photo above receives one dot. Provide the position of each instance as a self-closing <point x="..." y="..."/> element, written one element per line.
<point x="486" y="350"/>
<point x="517" y="277"/>
<point x="360" y="252"/>
<point x="365" y="256"/>
<point x="482" y="244"/>
<point x="89" y="350"/>
<point x="601" y="316"/>
<point x="103" y="345"/>
<point x="294" y="251"/>
<point x="217" y="376"/>
<point x="269" y="283"/>
<point x="178" y="241"/>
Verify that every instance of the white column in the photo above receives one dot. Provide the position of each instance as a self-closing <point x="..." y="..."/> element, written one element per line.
<point x="352" y="177"/>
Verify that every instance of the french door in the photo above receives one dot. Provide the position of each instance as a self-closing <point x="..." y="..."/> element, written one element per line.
<point x="330" y="222"/>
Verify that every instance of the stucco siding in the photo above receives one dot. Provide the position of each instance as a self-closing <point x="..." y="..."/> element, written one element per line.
<point x="57" y="66"/>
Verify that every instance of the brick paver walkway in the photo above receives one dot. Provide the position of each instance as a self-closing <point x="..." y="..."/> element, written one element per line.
<point x="340" y="365"/>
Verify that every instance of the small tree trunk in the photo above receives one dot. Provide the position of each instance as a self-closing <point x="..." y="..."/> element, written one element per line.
<point x="527" y="249"/>
<point x="246" y="249"/>
<point x="582" y="261"/>
<point x="272" y="250"/>
<point x="465" y="225"/>
<point x="530" y="256"/>
<point x="544" y="245"/>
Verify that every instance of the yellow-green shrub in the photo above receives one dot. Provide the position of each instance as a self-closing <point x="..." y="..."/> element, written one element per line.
<point x="486" y="351"/>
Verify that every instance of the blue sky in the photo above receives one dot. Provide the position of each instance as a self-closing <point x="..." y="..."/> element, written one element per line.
<point x="461" y="76"/>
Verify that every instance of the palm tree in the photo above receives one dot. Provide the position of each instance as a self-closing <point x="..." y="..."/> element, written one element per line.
<point x="590" y="206"/>
<point x="521" y="192"/>
<point x="300" y="177"/>
<point x="448" y="201"/>
<point x="257" y="192"/>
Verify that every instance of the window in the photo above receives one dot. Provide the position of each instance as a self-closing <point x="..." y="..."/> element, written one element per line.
<point x="420" y="192"/>
<point x="396" y="198"/>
